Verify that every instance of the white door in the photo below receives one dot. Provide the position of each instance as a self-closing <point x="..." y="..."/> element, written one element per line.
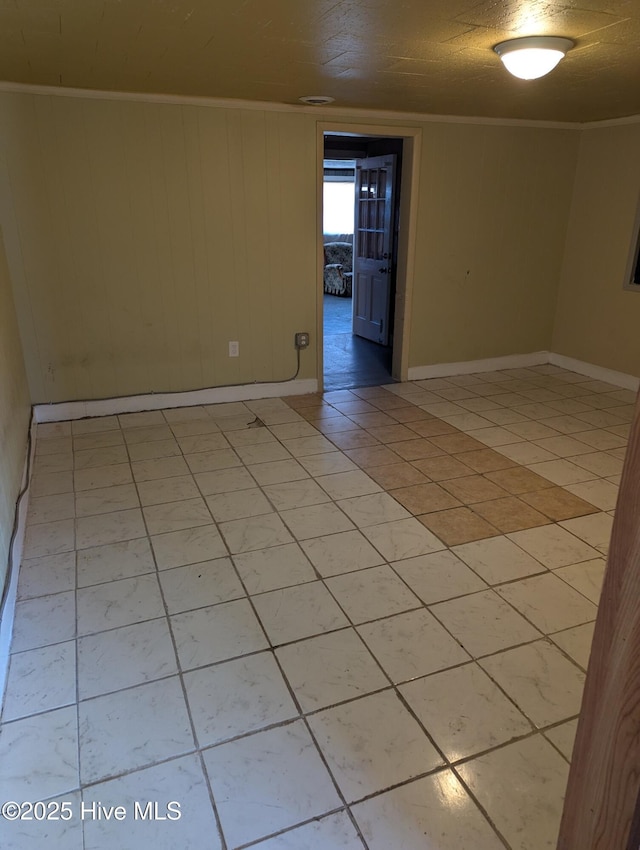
<point x="373" y="247"/>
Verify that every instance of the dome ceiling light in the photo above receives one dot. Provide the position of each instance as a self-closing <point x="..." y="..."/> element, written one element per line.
<point x="533" y="56"/>
<point x="316" y="100"/>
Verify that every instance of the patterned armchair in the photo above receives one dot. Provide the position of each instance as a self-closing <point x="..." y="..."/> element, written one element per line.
<point x="338" y="272"/>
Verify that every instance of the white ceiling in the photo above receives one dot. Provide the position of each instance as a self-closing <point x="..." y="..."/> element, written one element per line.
<point x="427" y="56"/>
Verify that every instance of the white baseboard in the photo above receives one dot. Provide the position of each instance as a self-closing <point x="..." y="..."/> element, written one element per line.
<point x="63" y="411"/>
<point x="467" y="367"/>
<point x="598" y="373"/>
<point x="8" y="614"/>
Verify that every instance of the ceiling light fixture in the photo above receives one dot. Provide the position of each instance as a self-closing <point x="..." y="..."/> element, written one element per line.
<point x="316" y="100"/>
<point x="533" y="56"/>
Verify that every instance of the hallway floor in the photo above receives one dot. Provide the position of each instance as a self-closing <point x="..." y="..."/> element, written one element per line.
<point x="350" y="361"/>
<point x="339" y="622"/>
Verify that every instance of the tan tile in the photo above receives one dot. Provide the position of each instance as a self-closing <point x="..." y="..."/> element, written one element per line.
<point x="510" y="514"/>
<point x="386" y="401"/>
<point x="416" y="449"/>
<point x="458" y="442"/>
<point x="458" y="525"/>
<point x="357" y="439"/>
<point x="473" y="488"/>
<point x="558" y="503"/>
<point x="442" y="468"/>
<point x="425" y="498"/>
<point x="335" y="424"/>
<point x="433" y="427"/>
<point x="412" y="414"/>
<point x="391" y="433"/>
<point x="370" y="420"/>
<point x="517" y="480"/>
<point x="485" y="460"/>
<point x="396" y="475"/>
<point x="298" y="401"/>
<point x="372" y="456"/>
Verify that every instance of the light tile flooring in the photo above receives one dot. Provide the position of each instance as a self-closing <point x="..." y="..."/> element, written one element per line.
<point x="357" y="620"/>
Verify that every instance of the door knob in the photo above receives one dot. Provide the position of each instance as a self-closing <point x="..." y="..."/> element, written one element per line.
<point x="383" y="270"/>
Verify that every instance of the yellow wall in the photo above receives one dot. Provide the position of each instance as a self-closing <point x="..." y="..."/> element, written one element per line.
<point x="596" y="319"/>
<point x="14" y="413"/>
<point x="142" y="237"/>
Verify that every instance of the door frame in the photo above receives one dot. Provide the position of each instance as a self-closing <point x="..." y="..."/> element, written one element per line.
<point x="409" y="183"/>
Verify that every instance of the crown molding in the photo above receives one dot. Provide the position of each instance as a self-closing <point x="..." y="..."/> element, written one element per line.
<point x="325" y="113"/>
<point x="611" y="122"/>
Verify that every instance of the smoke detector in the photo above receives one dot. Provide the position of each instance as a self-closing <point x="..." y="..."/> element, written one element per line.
<point x="316" y="100"/>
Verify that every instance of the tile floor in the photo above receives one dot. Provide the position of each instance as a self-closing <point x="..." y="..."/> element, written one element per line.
<point x="357" y="620"/>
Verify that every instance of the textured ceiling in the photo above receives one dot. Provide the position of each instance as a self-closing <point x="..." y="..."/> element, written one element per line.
<point x="429" y="56"/>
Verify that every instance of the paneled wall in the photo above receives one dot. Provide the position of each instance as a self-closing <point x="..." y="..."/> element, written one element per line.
<point x="143" y="237"/>
<point x="14" y="413"/>
<point x="596" y="319"/>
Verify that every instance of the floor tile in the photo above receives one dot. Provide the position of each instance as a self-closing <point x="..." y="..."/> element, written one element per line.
<point x="100" y="457"/>
<point x="563" y="737"/>
<point x="373" y="509"/>
<point x="43" y="621"/>
<point x="214" y="460"/>
<point x="586" y="577"/>
<point x="442" y="814"/>
<point x="602" y="494"/>
<point x="267" y="782"/>
<point x="498" y="559"/>
<point x="217" y="633"/>
<point x="443" y="468"/>
<point x="484" y="460"/>
<point x="464" y="711"/>
<point x="458" y="525"/>
<point x="167" y="467"/>
<point x="372" y="743"/>
<point x="51" y="483"/>
<point x="373" y="456"/>
<point x="334" y="831"/>
<point x="93" y="424"/>
<point x="43" y="464"/>
<point x="561" y="472"/>
<point x="510" y="514"/>
<point x="372" y="593"/>
<point x="237" y="697"/>
<point x="174" y="516"/>
<point x="540" y="680"/>
<point x="114" y="561"/>
<point x="397" y="475"/>
<point x="296" y="494"/>
<point x="549" y="605"/>
<point x="190" y="546"/>
<point x="40" y="680"/>
<point x="312" y="520"/>
<point x="224" y="481"/>
<point x="102" y="500"/>
<point x="153" y="450"/>
<point x="471" y="488"/>
<point x="109" y="528"/>
<point x="558" y="503"/>
<point x="439" y="576"/>
<point x="417" y="448"/>
<point x="162" y="490"/>
<point x="119" y="603"/>
<point x="132" y="729"/>
<point x="269" y="569"/>
<point x="526" y="453"/>
<point x="193" y="443"/>
<point x="54" y="835"/>
<point x="553" y="546"/>
<point x="330" y="668"/>
<point x="404" y="538"/>
<point x="47" y="575"/>
<point x="51" y="508"/>
<point x="298" y="612"/>
<point x="340" y="553"/>
<point x="343" y="485"/>
<point x="141" y="420"/>
<point x="263" y="453"/>
<point x="238" y="505"/>
<point x="120" y="658"/>
<point x="425" y="498"/>
<point x="244" y="535"/>
<point x="199" y="585"/>
<point x="576" y="642"/>
<point x="148" y="434"/>
<point x="518" y="480"/>
<point x="483" y="623"/>
<point x="521" y="787"/>
<point x="328" y="463"/>
<point x="564" y="446"/>
<point x="49" y="538"/>
<point x="31" y="768"/>
<point x="594" y="530"/>
<point x="412" y="644"/>
<point x="102" y="476"/>
<point x="178" y="780"/>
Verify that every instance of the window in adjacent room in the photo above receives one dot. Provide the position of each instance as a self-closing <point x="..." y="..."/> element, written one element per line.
<point x="338" y="201"/>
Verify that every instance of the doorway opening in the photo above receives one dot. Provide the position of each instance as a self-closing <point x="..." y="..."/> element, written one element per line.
<point x="361" y="221"/>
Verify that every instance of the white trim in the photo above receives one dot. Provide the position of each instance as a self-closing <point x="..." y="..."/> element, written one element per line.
<point x="327" y="113"/>
<point x="6" y="622"/>
<point x="611" y="122"/>
<point x="598" y="373"/>
<point x="63" y="411"/>
<point x="468" y="367"/>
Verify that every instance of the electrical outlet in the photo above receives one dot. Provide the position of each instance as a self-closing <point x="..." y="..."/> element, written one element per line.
<point x="234" y="349"/>
<point x="302" y="340"/>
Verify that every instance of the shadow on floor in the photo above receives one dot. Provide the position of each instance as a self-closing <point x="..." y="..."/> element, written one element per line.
<point x="350" y="361"/>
